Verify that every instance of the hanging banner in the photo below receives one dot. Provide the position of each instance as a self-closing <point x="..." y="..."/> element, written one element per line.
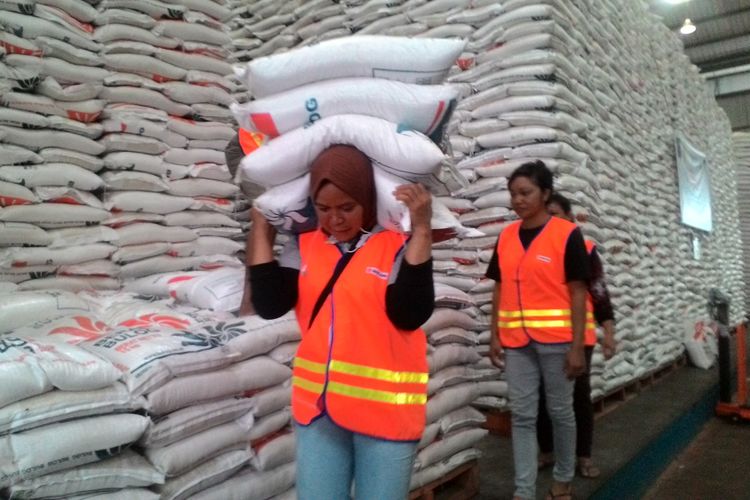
<point x="695" y="185"/>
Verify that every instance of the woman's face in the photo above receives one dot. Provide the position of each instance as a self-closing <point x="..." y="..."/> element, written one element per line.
<point x="338" y="213"/>
<point x="556" y="210"/>
<point x="526" y="198"/>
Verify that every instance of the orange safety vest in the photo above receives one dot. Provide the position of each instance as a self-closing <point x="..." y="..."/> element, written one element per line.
<point x="534" y="298"/>
<point x="353" y="363"/>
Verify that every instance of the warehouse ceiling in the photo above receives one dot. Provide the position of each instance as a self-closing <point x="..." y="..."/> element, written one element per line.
<point x="722" y="38"/>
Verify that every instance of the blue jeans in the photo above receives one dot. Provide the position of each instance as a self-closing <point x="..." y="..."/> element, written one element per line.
<point x="524" y="369"/>
<point x="329" y="457"/>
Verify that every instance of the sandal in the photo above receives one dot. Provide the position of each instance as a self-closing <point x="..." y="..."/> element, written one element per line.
<point x="586" y="469"/>
<point x="566" y="495"/>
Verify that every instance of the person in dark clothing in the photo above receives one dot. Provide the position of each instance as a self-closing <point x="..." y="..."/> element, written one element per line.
<point x="360" y="293"/>
<point x="559" y="206"/>
<point x="538" y="324"/>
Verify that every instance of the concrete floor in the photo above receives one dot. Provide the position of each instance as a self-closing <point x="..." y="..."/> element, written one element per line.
<point x="635" y="442"/>
<point x="716" y="465"/>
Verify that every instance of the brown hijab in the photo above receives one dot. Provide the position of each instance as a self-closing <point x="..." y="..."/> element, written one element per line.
<point x="350" y="170"/>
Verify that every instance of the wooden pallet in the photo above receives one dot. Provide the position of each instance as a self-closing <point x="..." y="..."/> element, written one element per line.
<point x="498" y="422"/>
<point x="608" y="402"/>
<point x="462" y="483"/>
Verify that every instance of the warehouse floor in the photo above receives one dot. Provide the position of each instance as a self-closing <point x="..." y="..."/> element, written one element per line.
<point x="662" y="444"/>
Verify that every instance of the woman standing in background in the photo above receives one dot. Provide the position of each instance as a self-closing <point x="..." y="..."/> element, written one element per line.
<point x="559" y="206"/>
<point x="539" y="316"/>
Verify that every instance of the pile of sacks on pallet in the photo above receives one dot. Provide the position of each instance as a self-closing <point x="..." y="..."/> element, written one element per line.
<point x="143" y="399"/>
<point x="113" y="125"/>
<point x="741" y="143"/>
<point x="382" y="95"/>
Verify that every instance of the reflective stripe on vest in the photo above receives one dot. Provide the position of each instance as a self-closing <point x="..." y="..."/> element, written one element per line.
<point x="353" y="363"/>
<point x="398" y="398"/>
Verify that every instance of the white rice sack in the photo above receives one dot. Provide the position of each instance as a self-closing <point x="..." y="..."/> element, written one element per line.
<point x="178" y="458"/>
<point x="200" y="130"/>
<point x="195" y="219"/>
<point x="144" y="97"/>
<point x="52" y="89"/>
<point x="274" y="452"/>
<point x="60" y="155"/>
<point x="13" y="155"/>
<point x="429" y="435"/>
<point x="212" y="472"/>
<point x="133" y="181"/>
<point x="272" y="400"/>
<point x="444" y="318"/>
<point x="180" y="424"/>
<point x="132" y="142"/>
<point x="134" y="253"/>
<point x="220" y="290"/>
<point x="12" y="193"/>
<point x="148" y="357"/>
<point x="250" y="375"/>
<point x="285" y="353"/>
<point x="20" y="309"/>
<point x="460" y="419"/>
<point x="149" y="67"/>
<point x="125" y="160"/>
<point x="195" y="62"/>
<point x="123" y="494"/>
<point x="32" y="27"/>
<point x="449" y="445"/>
<point x="142" y="201"/>
<point x="288" y="206"/>
<point x="160" y="285"/>
<point x="424" y="61"/>
<point x="189" y="157"/>
<point x="19" y="257"/>
<point x="164" y="263"/>
<point x="146" y="232"/>
<point x="67" y="195"/>
<point x="18" y="118"/>
<point x="56" y="406"/>
<point x="425" y="108"/>
<point x="450" y="399"/>
<point x="200" y="187"/>
<point x="37" y="139"/>
<point x="251" y="484"/>
<point x="59" y="174"/>
<point x="126" y="470"/>
<point x="404" y="153"/>
<point x="191" y="32"/>
<point x="34" y="366"/>
<point x="447" y="355"/>
<point x="187" y="93"/>
<point x="77" y="442"/>
<point x="21" y="234"/>
<point x="270" y="424"/>
<point x="215" y="171"/>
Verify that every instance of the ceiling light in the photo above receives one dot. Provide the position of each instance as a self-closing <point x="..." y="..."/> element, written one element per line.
<point x="675" y="2"/>
<point x="687" y="27"/>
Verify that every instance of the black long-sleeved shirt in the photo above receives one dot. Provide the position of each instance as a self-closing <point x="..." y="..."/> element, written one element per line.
<point x="409" y="299"/>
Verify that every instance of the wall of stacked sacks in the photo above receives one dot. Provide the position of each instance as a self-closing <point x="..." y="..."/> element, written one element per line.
<point x="741" y="142"/>
<point x="113" y="122"/>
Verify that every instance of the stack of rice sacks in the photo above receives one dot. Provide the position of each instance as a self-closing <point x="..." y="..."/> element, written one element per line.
<point x="114" y="120"/>
<point x="51" y="74"/>
<point x="66" y="417"/>
<point x="741" y="142"/>
<point x="166" y="183"/>
<point x="215" y="390"/>
<point x="372" y="114"/>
